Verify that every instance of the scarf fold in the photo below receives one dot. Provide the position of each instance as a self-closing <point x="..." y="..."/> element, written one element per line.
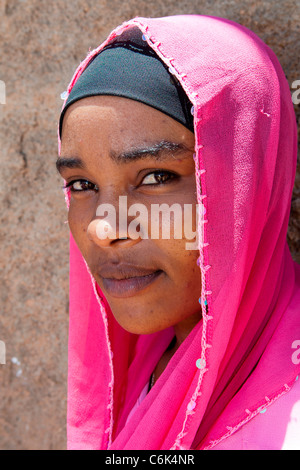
<point x="238" y="359"/>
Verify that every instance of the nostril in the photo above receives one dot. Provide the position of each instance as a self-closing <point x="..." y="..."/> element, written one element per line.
<point x="100" y="230"/>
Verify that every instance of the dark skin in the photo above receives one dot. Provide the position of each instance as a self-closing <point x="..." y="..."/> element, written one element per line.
<point x="98" y="138"/>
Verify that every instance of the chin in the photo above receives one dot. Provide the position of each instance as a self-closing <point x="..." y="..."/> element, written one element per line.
<point x="137" y="325"/>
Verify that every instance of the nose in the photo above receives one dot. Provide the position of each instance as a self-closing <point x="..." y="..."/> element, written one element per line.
<point x="101" y="232"/>
<point x="109" y="228"/>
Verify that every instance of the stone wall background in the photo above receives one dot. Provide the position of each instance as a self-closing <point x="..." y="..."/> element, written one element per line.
<point x="42" y="43"/>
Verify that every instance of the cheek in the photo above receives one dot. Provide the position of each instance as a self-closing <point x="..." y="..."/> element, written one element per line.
<point x="193" y="275"/>
<point x="190" y="274"/>
<point x="78" y="222"/>
<point x="182" y="268"/>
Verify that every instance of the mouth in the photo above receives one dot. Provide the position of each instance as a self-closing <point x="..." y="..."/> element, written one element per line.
<point x="128" y="282"/>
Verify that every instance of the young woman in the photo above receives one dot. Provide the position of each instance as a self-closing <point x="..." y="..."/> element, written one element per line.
<point x="175" y="345"/>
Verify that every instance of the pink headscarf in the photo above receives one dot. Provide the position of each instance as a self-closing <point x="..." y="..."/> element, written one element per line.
<point x="238" y="359"/>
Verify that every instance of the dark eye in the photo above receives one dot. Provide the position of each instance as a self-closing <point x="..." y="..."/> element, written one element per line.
<point x="158" y="177"/>
<point x="81" y="185"/>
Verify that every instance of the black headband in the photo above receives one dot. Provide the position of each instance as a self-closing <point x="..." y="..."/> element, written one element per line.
<point x="128" y="67"/>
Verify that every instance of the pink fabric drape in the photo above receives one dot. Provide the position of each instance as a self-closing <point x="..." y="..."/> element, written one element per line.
<point x="246" y="149"/>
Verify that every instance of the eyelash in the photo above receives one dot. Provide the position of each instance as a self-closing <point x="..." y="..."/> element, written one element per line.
<point x="69" y="186"/>
<point x="170" y="176"/>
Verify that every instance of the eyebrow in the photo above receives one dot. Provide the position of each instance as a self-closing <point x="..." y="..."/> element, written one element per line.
<point x="71" y="162"/>
<point x="160" y="150"/>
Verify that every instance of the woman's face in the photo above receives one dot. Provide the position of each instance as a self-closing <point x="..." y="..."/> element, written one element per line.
<point x="113" y="147"/>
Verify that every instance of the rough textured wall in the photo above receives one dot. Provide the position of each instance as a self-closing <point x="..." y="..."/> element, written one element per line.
<point x="41" y="44"/>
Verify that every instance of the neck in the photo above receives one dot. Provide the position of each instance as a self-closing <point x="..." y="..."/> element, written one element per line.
<point x="182" y="330"/>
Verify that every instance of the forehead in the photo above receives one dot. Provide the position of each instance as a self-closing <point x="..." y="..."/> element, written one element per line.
<point x="119" y="123"/>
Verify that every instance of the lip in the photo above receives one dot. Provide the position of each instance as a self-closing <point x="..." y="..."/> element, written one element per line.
<point x="127" y="281"/>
